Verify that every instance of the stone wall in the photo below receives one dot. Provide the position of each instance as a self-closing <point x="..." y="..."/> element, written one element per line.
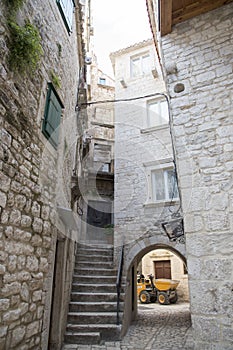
<point x="202" y="49"/>
<point x="138" y="150"/>
<point x="100" y="151"/>
<point x="34" y="178"/>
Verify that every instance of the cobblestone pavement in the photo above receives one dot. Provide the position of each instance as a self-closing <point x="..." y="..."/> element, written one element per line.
<point x="158" y="327"/>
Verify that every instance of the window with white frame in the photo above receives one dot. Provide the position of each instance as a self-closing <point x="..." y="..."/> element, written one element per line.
<point x="164" y="185"/>
<point x="157" y="113"/>
<point x="66" y="8"/>
<point x="102" y="81"/>
<point x="140" y="65"/>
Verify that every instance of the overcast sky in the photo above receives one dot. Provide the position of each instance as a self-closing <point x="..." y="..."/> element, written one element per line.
<point x="118" y="24"/>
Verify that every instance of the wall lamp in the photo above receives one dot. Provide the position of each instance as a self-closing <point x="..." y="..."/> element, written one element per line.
<point x="174" y="229"/>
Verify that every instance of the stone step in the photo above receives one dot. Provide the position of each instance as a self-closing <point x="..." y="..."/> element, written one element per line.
<point x="95" y="246"/>
<point x="94" y="271"/>
<point x="98" y="249"/>
<point x="95" y="297"/>
<point x="95" y="318"/>
<point x="84" y="338"/>
<point x="101" y="306"/>
<point x="93" y="307"/>
<point x="107" y="331"/>
<point x="94" y="279"/>
<point x="93" y="251"/>
<point x="92" y="288"/>
<point x="92" y="258"/>
<point x="94" y="264"/>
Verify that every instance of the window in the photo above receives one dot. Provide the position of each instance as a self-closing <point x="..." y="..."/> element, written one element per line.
<point x="140" y="65"/>
<point x="66" y="8"/>
<point x="52" y="116"/>
<point x="102" y="81"/>
<point x="105" y="168"/>
<point x="164" y="185"/>
<point x="157" y="113"/>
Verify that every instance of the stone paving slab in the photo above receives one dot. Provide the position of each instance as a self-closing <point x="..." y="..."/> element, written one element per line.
<point x="158" y="327"/>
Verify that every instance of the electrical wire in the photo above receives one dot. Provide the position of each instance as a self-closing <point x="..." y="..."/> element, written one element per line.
<point x="174" y="154"/>
<point x="87" y="104"/>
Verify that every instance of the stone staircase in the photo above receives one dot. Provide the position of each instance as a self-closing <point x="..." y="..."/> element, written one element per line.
<point x="93" y="307"/>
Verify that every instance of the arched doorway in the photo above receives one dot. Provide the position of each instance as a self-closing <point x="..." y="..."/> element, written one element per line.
<point x="164" y="264"/>
<point x="133" y="257"/>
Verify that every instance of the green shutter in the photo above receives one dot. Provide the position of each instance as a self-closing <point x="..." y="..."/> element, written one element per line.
<point x="66" y="8"/>
<point x="52" y="116"/>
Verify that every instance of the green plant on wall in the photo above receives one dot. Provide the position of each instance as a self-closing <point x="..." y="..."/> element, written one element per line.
<point x="55" y="80"/>
<point x="14" y="5"/>
<point x="25" y="47"/>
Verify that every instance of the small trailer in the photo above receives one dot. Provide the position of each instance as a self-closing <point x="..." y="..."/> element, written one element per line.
<point x="162" y="290"/>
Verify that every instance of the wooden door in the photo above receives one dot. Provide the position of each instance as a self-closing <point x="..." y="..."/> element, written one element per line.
<point x="162" y="269"/>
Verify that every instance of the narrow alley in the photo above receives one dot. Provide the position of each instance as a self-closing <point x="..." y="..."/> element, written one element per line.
<point x="157" y="327"/>
<point x="116" y="178"/>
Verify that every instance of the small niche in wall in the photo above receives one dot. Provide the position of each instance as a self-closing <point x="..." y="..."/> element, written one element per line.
<point x="179" y="87"/>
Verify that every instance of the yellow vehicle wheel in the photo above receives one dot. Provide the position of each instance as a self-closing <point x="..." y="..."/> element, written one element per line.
<point x="144" y="297"/>
<point x="163" y="298"/>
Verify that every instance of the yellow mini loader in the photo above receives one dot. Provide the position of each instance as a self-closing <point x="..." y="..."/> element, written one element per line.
<point x="161" y="290"/>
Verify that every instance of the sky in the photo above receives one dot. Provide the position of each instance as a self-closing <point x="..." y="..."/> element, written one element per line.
<point x="117" y="25"/>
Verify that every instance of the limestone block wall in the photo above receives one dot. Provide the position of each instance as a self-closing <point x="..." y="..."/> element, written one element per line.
<point x="202" y="121"/>
<point x="100" y="151"/>
<point x="34" y="178"/>
<point x="138" y="149"/>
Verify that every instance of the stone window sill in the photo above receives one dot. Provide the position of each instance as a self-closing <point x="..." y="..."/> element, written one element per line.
<point x="154" y="128"/>
<point x="161" y="203"/>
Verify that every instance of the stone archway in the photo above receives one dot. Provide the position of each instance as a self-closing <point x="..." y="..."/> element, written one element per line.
<point x="146" y="244"/>
<point x="133" y="254"/>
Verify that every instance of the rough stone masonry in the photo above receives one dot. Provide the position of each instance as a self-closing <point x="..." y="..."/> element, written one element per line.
<point x="202" y="50"/>
<point x="30" y="169"/>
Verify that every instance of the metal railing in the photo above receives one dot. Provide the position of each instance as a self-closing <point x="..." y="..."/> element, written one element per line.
<point x="118" y="283"/>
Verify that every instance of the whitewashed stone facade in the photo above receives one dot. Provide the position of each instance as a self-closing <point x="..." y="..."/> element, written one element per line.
<point x="141" y="148"/>
<point x="35" y="178"/>
<point x="98" y="164"/>
<point x="201" y="49"/>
